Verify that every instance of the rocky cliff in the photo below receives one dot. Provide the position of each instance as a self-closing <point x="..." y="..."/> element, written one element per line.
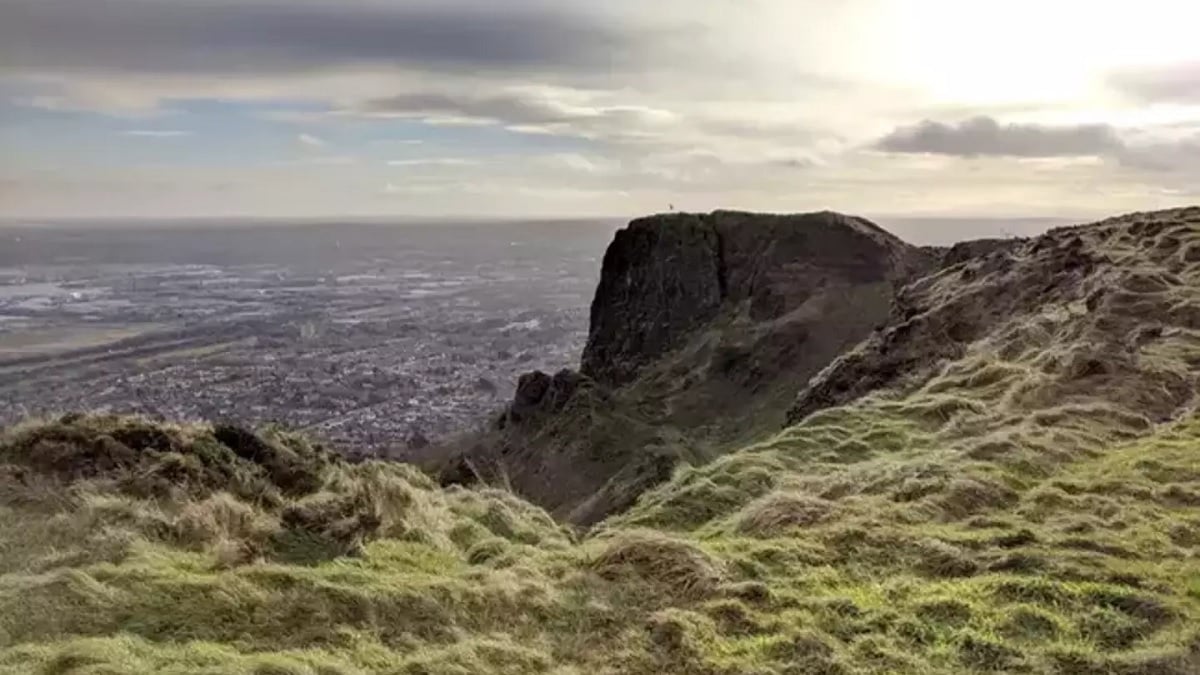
<point x="668" y="275"/>
<point x="694" y="313"/>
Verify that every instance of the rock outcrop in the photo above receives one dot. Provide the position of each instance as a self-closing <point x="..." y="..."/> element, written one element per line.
<point x="661" y="280"/>
<point x="540" y="394"/>
<point x="703" y="327"/>
<point x="1075" y="307"/>
<point x="666" y="276"/>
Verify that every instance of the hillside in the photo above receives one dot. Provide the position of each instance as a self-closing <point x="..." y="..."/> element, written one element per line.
<point x="1000" y="474"/>
<point x="702" y="326"/>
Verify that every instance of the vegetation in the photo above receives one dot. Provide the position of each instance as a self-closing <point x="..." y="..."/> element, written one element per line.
<point x="786" y="557"/>
<point x="1029" y="505"/>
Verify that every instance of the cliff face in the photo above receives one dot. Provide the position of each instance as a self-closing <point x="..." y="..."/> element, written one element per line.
<point x="661" y="279"/>
<point x="667" y="275"/>
<point x="703" y="327"/>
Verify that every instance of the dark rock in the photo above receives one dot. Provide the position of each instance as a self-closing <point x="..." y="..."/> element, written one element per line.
<point x="666" y="276"/>
<point x="531" y="389"/>
<point x="564" y="385"/>
<point x="661" y="279"/>
<point x="540" y="394"/>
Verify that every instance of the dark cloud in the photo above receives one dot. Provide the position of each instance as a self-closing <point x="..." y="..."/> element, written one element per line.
<point x="1177" y="83"/>
<point x="984" y="136"/>
<point x="1144" y="150"/>
<point x="256" y="36"/>
<point x="1179" y="155"/>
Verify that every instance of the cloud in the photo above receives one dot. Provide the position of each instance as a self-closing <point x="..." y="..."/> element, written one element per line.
<point x="607" y="73"/>
<point x="156" y="133"/>
<point x="576" y="162"/>
<point x="434" y="161"/>
<point x="531" y="106"/>
<point x="1165" y="156"/>
<point x="1174" y="83"/>
<point x="669" y="100"/>
<point x="331" y="160"/>
<point x="529" y="110"/>
<point x="310" y="141"/>
<point x="138" y="55"/>
<point x="1168" y="152"/>
<point x="984" y="136"/>
<point x="494" y="108"/>
<point x="222" y="36"/>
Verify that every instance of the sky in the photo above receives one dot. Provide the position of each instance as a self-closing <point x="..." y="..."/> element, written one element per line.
<point x="284" y="108"/>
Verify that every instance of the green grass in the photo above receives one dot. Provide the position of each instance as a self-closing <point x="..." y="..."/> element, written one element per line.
<point x="781" y="561"/>
<point x="1021" y="509"/>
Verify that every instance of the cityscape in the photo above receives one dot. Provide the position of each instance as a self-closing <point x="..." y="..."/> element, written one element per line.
<point x="377" y="339"/>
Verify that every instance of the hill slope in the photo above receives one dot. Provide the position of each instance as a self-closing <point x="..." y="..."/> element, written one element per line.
<point x="702" y="326"/>
<point x="1005" y="477"/>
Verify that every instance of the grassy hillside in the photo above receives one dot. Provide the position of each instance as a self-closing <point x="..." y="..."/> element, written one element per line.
<point x="702" y="329"/>
<point x="1021" y="494"/>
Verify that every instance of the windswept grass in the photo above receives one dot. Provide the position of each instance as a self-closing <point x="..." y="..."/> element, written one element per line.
<point x="906" y="569"/>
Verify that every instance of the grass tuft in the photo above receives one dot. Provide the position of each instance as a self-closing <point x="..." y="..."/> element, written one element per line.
<point x="675" y="565"/>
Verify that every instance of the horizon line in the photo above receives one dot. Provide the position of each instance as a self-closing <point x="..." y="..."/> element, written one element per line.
<point x="398" y="219"/>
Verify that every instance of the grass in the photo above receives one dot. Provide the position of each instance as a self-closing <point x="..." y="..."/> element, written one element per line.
<point x="906" y="569"/>
<point x="987" y="516"/>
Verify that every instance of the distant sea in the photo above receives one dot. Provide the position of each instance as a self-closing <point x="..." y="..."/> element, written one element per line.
<point x="948" y="230"/>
